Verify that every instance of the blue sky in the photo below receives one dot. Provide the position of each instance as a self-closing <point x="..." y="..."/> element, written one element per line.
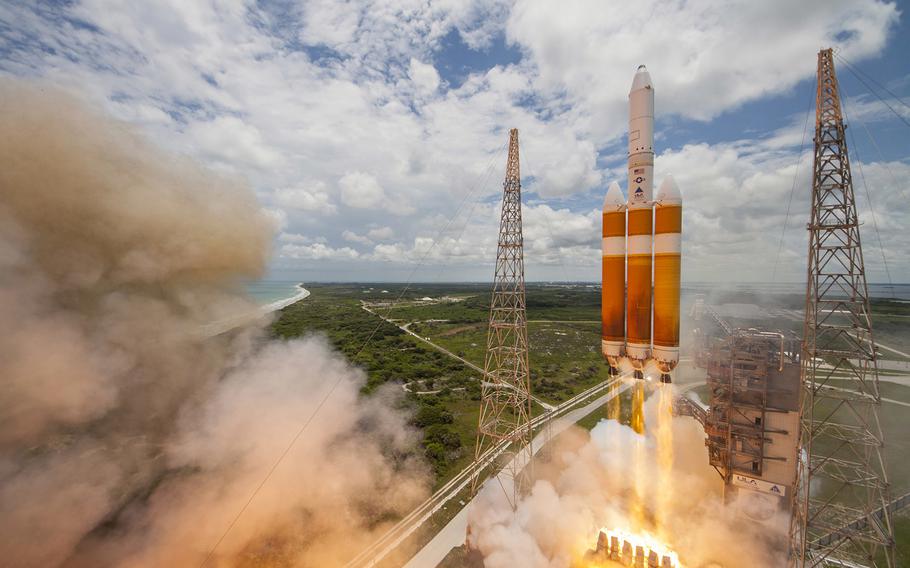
<point x="373" y="132"/>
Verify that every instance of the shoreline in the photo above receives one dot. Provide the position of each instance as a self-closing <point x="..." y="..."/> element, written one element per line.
<point x="302" y="293"/>
<point x="217" y="328"/>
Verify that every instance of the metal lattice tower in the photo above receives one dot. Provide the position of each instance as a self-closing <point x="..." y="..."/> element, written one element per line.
<point x="505" y="408"/>
<point x="840" y="507"/>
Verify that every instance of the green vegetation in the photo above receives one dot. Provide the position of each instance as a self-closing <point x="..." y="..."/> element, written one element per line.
<point x="389" y="355"/>
<point x="901" y="538"/>
<point x="443" y="393"/>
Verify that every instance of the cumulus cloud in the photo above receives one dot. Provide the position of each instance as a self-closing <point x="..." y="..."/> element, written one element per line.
<point x="583" y="47"/>
<point x="381" y="233"/>
<point x="317" y="251"/>
<point x="353" y="237"/>
<point x="298" y="98"/>
<point x="129" y="437"/>
<point x="424" y="76"/>
<point x="313" y="198"/>
<point x="361" y="190"/>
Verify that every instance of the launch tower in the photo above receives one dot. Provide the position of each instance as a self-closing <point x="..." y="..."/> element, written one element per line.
<point x="840" y="508"/>
<point x="505" y="407"/>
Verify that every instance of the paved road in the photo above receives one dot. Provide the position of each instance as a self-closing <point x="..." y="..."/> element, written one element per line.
<point x="890" y="400"/>
<point x="406" y="328"/>
<point x="453" y="534"/>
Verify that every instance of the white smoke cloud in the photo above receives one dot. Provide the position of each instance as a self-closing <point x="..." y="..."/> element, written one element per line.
<point x="128" y="438"/>
<point x="588" y="485"/>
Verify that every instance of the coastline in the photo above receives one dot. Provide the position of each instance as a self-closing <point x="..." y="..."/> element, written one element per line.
<point x="301" y="294"/>
<point x="219" y="327"/>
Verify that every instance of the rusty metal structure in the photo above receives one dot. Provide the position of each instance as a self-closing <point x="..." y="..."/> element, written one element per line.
<point x="752" y="418"/>
<point x="840" y="511"/>
<point x="505" y="407"/>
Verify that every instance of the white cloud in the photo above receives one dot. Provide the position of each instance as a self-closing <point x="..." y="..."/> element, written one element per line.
<point x="424" y="76"/>
<point x="232" y="142"/>
<point x="381" y="233"/>
<point x="293" y="238"/>
<point x="361" y="190"/>
<point x="278" y="218"/>
<point x="353" y="237"/>
<point x="311" y="198"/>
<point x="343" y="103"/>
<point x="317" y="251"/>
<point x="705" y="57"/>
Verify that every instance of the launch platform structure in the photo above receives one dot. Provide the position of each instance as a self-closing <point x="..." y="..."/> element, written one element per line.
<point x="505" y="407"/>
<point x="840" y="511"/>
<point x="752" y="418"/>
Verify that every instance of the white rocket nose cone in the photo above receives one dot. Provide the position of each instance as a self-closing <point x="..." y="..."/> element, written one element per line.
<point x="642" y="79"/>
<point x="614" y="199"/>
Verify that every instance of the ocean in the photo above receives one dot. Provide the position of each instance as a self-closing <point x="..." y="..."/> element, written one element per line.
<point x="269" y="291"/>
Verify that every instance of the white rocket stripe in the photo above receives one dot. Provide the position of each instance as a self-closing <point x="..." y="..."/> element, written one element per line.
<point x="640" y="244"/>
<point x="666" y="354"/>
<point x="611" y="348"/>
<point x="668" y="243"/>
<point x="613" y="246"/>
<point x="638" y="350"/>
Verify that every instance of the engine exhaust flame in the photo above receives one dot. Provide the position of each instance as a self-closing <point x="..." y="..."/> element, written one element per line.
<point x="664" y="456"/>
<point x="620" y="547"/>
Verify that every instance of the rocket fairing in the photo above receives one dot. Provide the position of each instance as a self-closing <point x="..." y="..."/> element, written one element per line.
<point x="641" y="252"/>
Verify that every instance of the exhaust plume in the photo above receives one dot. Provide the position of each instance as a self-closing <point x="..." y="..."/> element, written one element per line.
<point x="588" y="486"/>
<point x="127" y="437"/>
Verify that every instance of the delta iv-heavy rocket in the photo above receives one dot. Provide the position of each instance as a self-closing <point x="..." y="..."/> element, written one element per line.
<point x="641" y="253"/>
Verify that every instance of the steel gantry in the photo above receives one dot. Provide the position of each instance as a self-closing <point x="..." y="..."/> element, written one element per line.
<point x="505" y="408"/>
<point x="840" y="508"/>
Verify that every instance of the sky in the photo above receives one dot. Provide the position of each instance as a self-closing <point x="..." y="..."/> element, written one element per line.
<point x="374" y="133"/>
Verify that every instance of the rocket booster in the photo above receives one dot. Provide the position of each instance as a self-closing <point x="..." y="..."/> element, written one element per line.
<point x="641" y="252"/>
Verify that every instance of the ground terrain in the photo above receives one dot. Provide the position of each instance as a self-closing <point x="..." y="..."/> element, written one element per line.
<point x="429" y="340"/>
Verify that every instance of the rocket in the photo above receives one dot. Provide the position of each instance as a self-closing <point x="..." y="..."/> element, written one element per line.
<point x="641" y="253"/>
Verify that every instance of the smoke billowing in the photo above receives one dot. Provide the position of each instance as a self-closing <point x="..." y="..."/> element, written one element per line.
<point x="590" y="485"/>
<point x="127" y="438"/>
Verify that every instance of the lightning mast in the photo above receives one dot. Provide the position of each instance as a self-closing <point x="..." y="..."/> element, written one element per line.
<point x="840" y="509"/>
<point x="505" y="408"/>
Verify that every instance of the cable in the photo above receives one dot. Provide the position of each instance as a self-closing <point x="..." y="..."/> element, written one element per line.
<point x="565" y="275"/>
<point x="855" y="69"/>
<point x="861" y="80"/>
<point x="897" y="186"/>
<point x="869" y="200"/>
<point x="334" y="385"/>
<point x="799" y="159"/>
<point x="491" y="168"/>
